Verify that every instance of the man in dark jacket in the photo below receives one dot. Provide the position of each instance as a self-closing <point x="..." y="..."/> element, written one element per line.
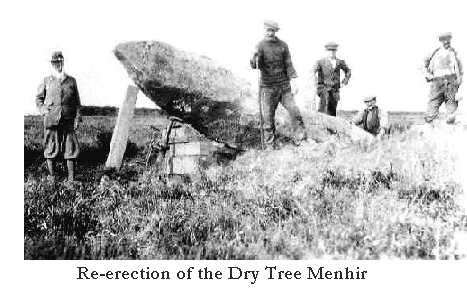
<point x="58" y="101"/>
<point x="326" y="73"/>
<point x="272" y="58"/>
<point x="372" y="119"/>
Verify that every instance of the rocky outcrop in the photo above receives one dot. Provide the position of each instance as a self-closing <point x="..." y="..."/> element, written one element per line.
<point x="212" y="99"/>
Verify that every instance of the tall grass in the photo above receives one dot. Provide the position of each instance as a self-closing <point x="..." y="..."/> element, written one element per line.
<point x="396" y="198"/>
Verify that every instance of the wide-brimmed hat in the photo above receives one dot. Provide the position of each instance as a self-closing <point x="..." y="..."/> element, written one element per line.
<point x="57" y="56"/>
<point x="369" y="98"/>
<point x="271" y="24"/>
<point x="331" y="46"/>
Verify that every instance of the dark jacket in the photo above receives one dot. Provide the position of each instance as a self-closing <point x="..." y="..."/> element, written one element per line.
<point x="274" y="61"/>
<point x="372" y="119"/>
<point x="328" y="76"/>
<point x="60" y="98"/>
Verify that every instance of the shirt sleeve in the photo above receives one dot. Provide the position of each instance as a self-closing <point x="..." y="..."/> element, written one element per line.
<point x="288" y="63"/>
<point x="428" y="73"/>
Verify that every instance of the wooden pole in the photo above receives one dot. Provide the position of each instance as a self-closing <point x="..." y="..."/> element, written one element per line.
<point x="122" y="127"/>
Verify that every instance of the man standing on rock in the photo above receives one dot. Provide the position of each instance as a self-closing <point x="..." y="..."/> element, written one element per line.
<point x="58" y="101"/>
<point x="444" y="70"/>
<point x="326" y="73"/>
<point x="276" y="83"/>
<point x="372" y="119"/>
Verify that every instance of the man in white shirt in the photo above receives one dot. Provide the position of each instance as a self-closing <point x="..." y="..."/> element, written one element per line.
<point x="444" y="70"/>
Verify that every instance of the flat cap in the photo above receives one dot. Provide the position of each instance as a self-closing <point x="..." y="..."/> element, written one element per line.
<point x="57" y="56"/>
<point x="331" y="46"/>
<point x="271" y="24"/>
<point x="369" y="98"/>
<point x="444" y="36"/>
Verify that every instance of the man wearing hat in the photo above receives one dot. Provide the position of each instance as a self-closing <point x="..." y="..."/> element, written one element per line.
<point x="326" y="73"/>
<point x="372" y="119"/>
<point x="276" y="84"/>
<point x="58" y="101"/>
<point x="443" y="70"/>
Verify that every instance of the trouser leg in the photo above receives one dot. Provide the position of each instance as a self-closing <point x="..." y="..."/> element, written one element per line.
<point x="333" y="99"/>
<point x="270" y="102"/>
<point x="288" y="101"/>
<point x="436" y="98"/>
<point x="323" y="97"/>
<point x="50" y="167"/>
<point x="451" y="103"/>
<point x="328" y="101"/>
<point x="70" y="164"/>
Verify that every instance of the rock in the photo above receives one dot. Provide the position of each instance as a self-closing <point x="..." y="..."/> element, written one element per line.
<point x="212" y="99"/>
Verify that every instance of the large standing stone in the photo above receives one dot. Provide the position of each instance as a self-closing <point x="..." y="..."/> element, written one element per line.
<point x="209" y="97"/>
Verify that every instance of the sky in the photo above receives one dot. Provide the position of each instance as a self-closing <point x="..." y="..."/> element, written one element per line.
<point x="383" y="42"/>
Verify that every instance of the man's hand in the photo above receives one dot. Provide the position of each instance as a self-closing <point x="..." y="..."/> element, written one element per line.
<point x="294" y="86"/>
<point x="344" y="83"/>
<point x="429" y="77"/>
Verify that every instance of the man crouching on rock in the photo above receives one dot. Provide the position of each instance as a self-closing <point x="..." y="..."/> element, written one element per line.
<point x="58" y="101"/>
<point x="272" y="58"/>
<point x="372" y="119"/>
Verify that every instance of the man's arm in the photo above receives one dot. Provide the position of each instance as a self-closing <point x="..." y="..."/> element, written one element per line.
<point x="314" y="73"/>
<point x="40" y="98"/>
<point x="460" y="69"/>
<point x="78" y="103"/>
<point x="426" y="66"/>
<point x="254" y="60"/>
<point x="288" y="63"/>
<point x="347" y="72"/>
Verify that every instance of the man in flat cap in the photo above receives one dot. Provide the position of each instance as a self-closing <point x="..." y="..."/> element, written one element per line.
<point x="443" y="70"/>
<point x="58" y="101"/>
<point x="372" y="119"/>
<point x="276" y="84"/>
<point x="326" y="73"/>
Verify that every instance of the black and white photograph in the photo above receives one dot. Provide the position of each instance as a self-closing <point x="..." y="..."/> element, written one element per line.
<point x="241" y="130"/>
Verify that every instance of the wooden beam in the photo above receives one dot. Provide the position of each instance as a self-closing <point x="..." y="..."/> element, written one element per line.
<point x="122" y="127"/>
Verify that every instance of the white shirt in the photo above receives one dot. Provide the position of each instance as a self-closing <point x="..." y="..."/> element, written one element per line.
<point x="333" y="62"/>
<point x="444" y="62"/>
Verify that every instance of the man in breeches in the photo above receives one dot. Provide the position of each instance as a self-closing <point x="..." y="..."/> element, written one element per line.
<point x="444" y="70"/>
<point x="58" y="101"/>
<point x="277" y="83"/>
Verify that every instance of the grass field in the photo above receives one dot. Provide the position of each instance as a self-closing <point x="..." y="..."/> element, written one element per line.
<point x="393" y="199"/>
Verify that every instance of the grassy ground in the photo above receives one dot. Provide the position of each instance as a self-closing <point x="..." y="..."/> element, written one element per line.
<point x="393" y="199"/>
